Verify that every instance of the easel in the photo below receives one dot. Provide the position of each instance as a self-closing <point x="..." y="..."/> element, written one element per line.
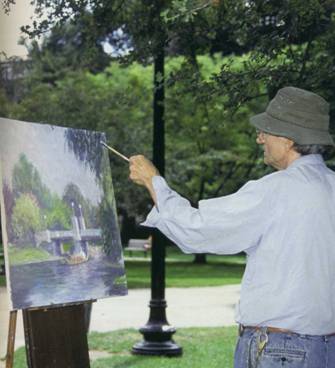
<point x="55" y="337"/>
<point x="11" y="339"/>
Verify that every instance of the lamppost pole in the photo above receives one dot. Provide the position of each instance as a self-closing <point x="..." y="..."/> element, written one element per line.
<point x="157" y="333"/>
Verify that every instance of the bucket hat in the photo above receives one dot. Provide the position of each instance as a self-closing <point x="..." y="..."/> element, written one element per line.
<point x="297" y="114"/>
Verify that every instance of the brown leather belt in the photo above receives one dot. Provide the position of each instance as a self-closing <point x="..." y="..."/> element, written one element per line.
<point x="241" y="329"/>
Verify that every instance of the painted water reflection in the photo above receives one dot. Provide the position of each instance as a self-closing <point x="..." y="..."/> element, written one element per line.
<point x="55" y="282"/>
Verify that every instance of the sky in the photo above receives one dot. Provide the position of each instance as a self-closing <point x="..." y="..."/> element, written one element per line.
<point x="45" y="147"/>
<point x="10" y="33"/>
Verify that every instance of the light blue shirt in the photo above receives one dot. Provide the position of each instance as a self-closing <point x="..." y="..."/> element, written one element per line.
<point x="285" y="222"/>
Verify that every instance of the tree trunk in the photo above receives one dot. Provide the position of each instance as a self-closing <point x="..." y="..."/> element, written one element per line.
<point x="200" y="258"/>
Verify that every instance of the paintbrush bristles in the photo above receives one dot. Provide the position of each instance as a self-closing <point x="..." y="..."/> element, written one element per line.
<point x="115" y="151"/>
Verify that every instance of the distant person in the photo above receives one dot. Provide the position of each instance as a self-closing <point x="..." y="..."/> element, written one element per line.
<point x="285" y="222"/>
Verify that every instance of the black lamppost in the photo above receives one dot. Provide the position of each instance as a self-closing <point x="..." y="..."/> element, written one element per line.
<point x="157" y="333"/>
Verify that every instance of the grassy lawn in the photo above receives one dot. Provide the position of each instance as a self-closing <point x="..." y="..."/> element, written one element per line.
<point x="182" y="272"/>
<point x="2" y="281"/>
<point x="203" y="347"/>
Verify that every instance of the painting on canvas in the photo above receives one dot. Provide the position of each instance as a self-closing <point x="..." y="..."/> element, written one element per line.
<point x="59" y="223"/>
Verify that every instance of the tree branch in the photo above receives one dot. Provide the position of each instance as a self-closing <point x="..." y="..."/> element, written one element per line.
<point x="191" y="11"/>
<point x="233" y="167"/>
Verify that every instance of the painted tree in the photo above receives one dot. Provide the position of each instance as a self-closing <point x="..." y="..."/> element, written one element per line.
<point x="73" y="198"/>
<point x="26" y="219"/>
<point x="86" y="145"/>
<point x="26" y="179"/>
<point x="107" y="215"/>
<point x="59" y="215"/>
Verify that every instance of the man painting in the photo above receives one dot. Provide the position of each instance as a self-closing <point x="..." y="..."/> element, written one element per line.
<point x="285" y="222"/>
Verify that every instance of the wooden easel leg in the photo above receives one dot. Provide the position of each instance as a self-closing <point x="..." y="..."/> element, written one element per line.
<point x="11" y="339"/>
<point x="56" y="337"/>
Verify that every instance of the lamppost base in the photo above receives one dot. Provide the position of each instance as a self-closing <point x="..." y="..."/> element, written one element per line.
<point x="167" y="348"/>
<point x="157" y="341"/>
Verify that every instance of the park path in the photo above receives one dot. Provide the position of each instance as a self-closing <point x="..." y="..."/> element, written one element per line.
<point x="196" y="307"/>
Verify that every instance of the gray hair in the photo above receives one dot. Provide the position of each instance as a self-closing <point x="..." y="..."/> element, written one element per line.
<point x="308" y="149"/>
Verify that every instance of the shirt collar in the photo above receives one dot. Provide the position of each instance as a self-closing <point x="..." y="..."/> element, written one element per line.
<point x="312" y="159"/>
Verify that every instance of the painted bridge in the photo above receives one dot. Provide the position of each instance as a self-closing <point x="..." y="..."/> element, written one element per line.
<point x="50" y="236"/>
<point x="79" y="236"/>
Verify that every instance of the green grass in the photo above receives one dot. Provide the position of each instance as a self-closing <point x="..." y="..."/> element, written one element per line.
<point x="2" y="280"/>
<point x="202" y="347"/>
<point x="27" y="255"/>
<point x="182" y="272"/>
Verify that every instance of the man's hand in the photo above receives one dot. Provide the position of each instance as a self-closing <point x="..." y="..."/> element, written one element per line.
<point x="142" y="171"/>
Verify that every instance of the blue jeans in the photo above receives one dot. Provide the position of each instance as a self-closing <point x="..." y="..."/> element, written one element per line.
<point x="289" y="350"/>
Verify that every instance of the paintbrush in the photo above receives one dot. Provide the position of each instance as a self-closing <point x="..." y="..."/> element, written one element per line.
<point x="114" y="151"/>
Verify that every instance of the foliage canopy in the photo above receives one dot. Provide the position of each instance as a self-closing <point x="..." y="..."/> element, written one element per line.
<point x="235" y="55"/>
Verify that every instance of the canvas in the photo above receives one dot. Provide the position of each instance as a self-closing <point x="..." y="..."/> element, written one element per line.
<point x="59" y="223"/>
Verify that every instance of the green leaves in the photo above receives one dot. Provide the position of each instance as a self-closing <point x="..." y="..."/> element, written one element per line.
<point x="185" y="10"/>
<point x="26" y="219"/>
<point x="209" y="150"/>
<point x="59" y="217"/>
<point x="236" y="54"/>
